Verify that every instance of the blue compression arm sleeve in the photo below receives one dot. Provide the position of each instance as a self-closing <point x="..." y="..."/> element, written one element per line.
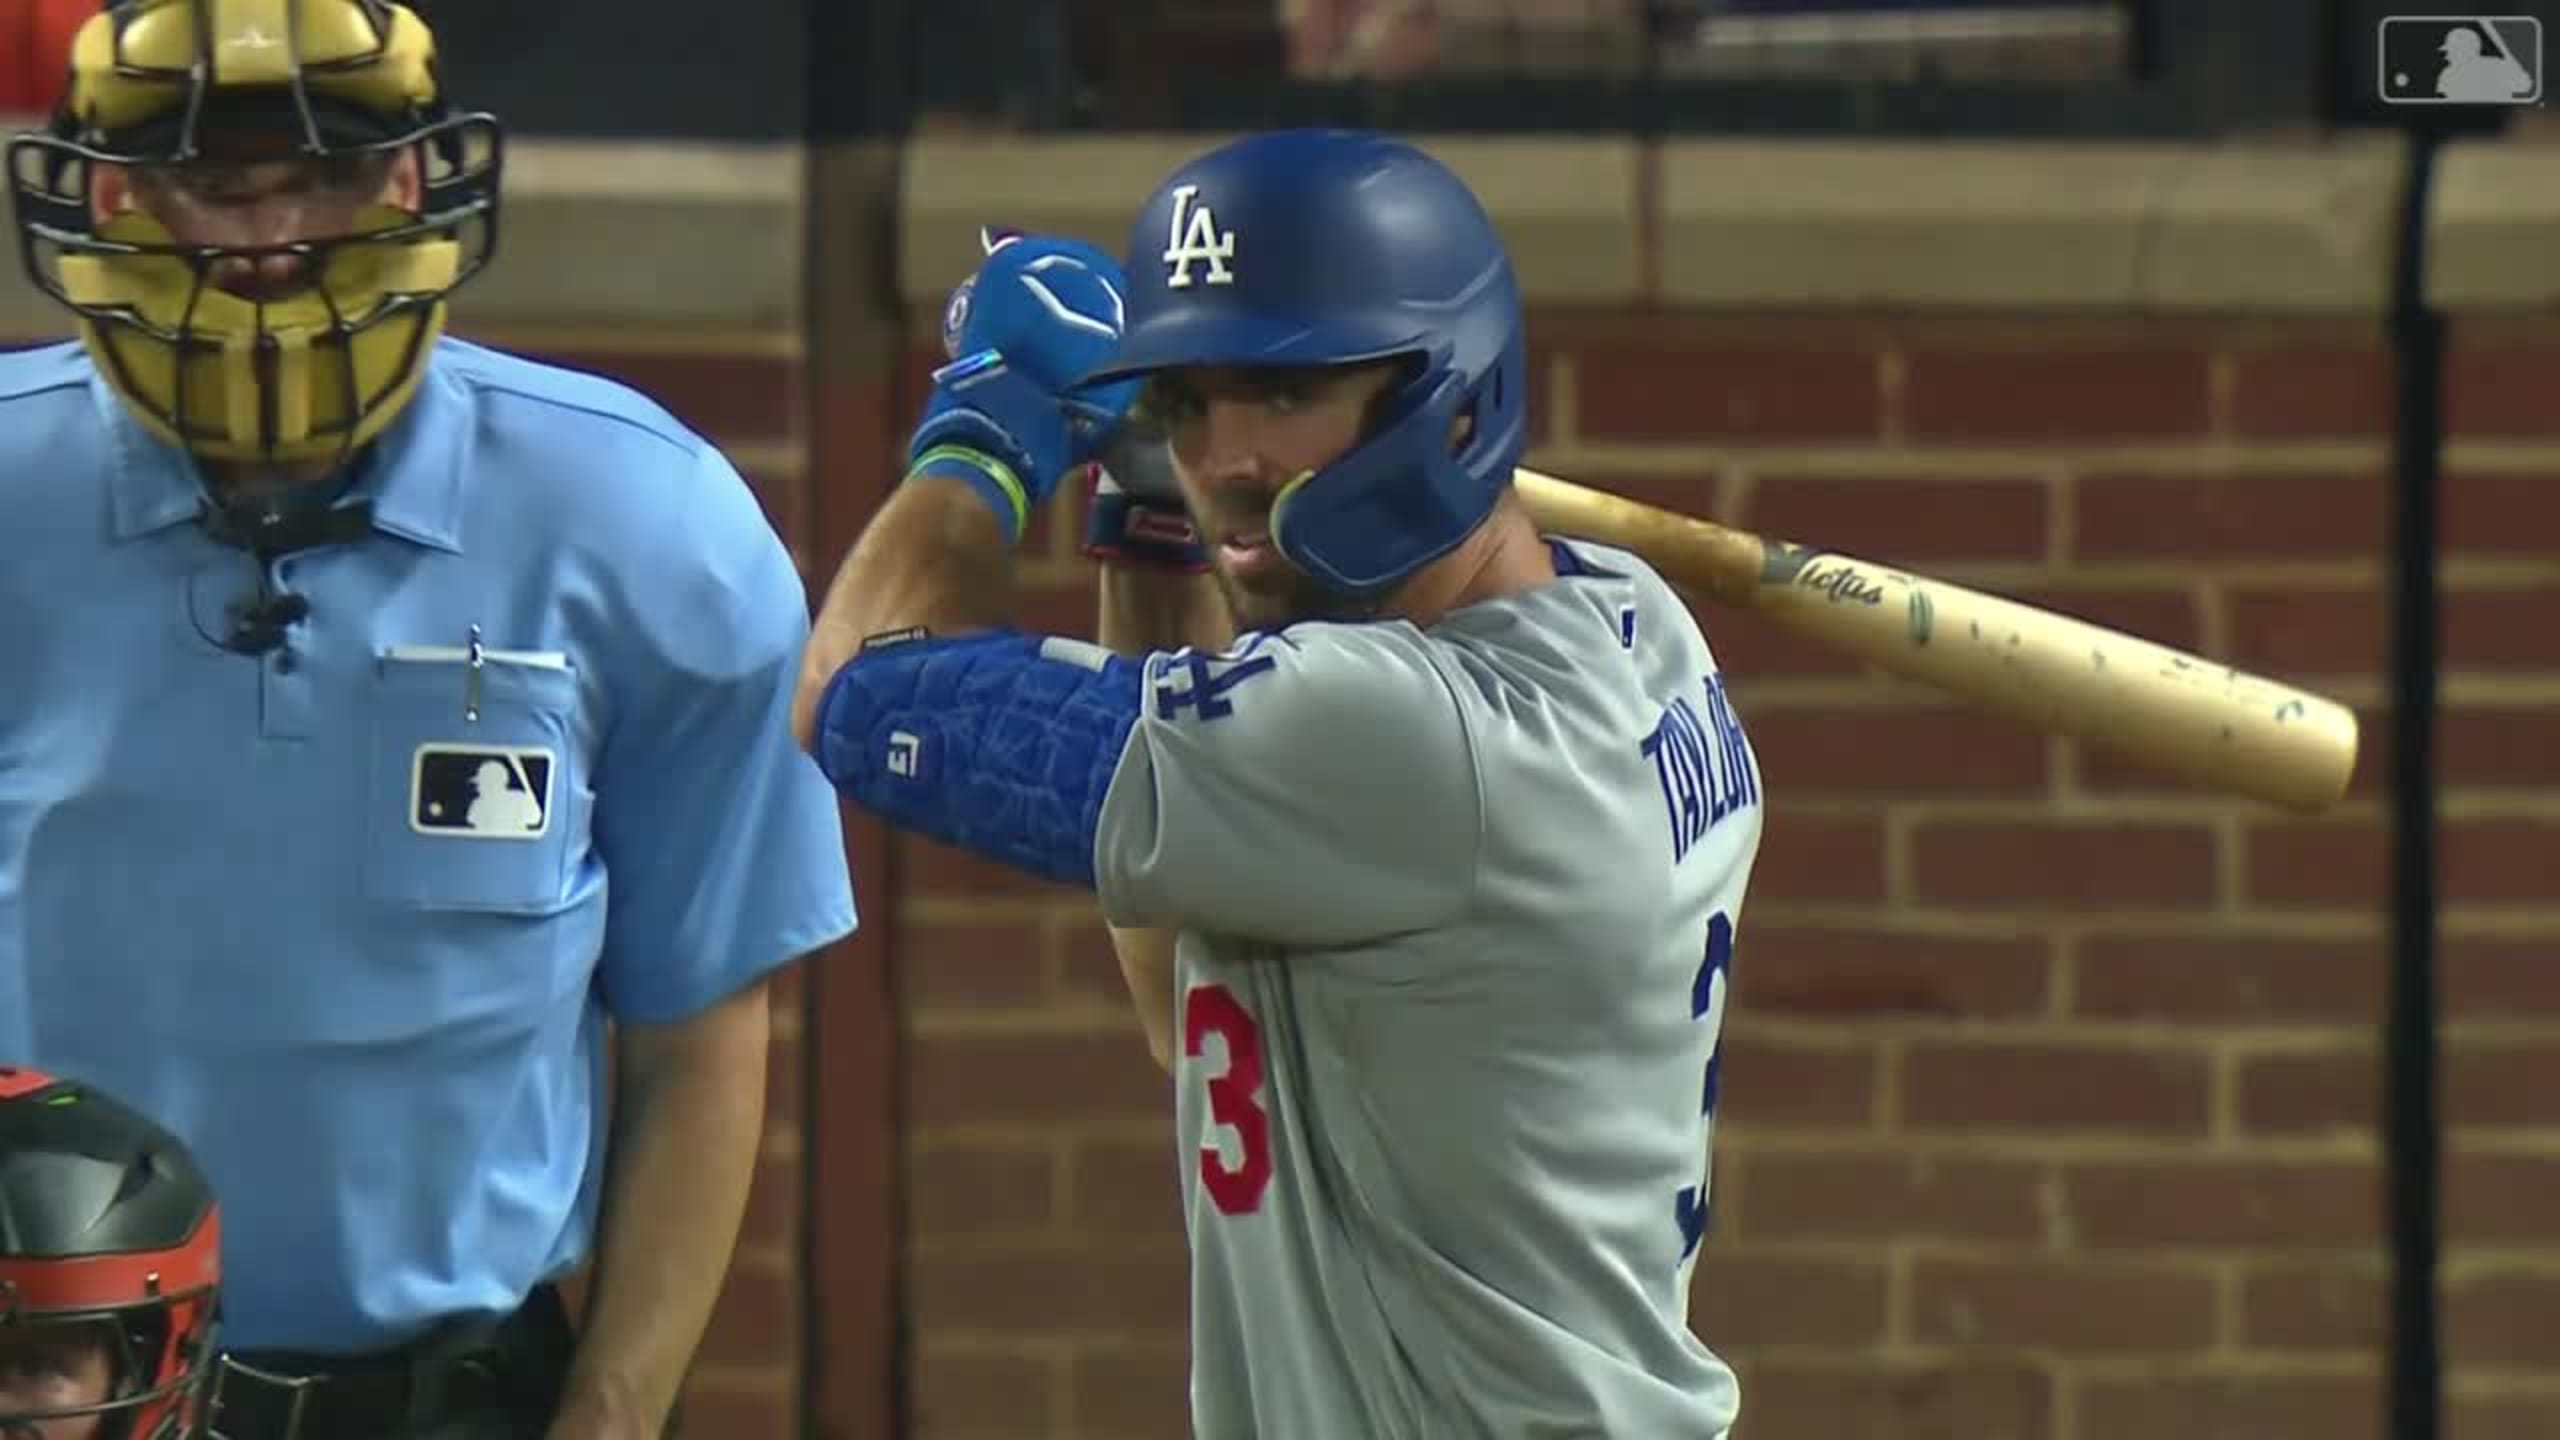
<point x="1000" y="743"/>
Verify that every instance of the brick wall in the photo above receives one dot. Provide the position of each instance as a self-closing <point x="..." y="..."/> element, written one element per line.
<point x="2053" y="1092"/>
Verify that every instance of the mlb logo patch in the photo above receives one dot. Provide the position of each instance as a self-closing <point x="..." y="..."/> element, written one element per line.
<point x="481" y="792"/>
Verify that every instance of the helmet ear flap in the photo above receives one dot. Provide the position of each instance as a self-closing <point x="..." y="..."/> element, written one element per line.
<point x="1395" y="502"/>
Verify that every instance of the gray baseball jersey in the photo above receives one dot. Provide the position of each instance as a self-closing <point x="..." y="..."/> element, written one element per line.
<point x="1456" y="909"/>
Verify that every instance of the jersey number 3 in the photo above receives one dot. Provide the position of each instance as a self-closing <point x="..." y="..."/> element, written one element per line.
<point x="1706" y="1003"/>
<point x="1234" y="1098"/>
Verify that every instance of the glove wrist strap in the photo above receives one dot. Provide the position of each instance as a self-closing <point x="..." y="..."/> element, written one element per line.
<point x="1124" y="529"/>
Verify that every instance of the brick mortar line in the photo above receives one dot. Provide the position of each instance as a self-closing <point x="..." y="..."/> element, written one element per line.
<point x="1893" y="385"/>
<point x="1901" y="1296"/>
<point x="947" y="910"/>
<point x="2246" y="573"/>
<point x="2095" y="1033"/>
<point x="2226" y="1130"/>
<point x="2467" y="1263"/>
<point x="1062" y="1394"/>
<point x="1855" y="459"/>
<point x="1118" y="1344"/>
<point x="956" y="1141"/>
<point x="2459" y="803"/>
<point x="2465" y="919"/>
<point x="2485" y="922"/>
<point x="2053" y="1210"/>
<point x="2104" y="1365"/>
<point x="984" y="1344"/>
<point x="2472" y="1144"/>
<point x="2493" y="1383"/>
<point x="2213" y="622"/>
<point x="1062" y="1179"/>
<point x="2230" y="1322"/>
<point x="1119" y="1127"/>
<point x="2058" y="1149"/>
<point x="1737" y="488"/>
<point x="1027" y="1022"/>
<point x="1013" y="1246"/>
<point x="2230" y="862"/>
<point x="2061" y="514"/>
<point x="979" y="1342"/>
<point x="1564" y="400"/>
<point x="1879" y="1250"/>
<point x="1878" y="691"/>
<point x="2062" y="978"/>
<point x="1993" y="923"/>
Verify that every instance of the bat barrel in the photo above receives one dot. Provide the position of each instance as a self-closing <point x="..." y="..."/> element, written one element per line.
<point x="2162" y="708"/>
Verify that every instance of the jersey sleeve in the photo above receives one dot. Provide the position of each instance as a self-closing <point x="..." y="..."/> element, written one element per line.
<point x="1316" y="786"/>
<point x="723" y="844"/>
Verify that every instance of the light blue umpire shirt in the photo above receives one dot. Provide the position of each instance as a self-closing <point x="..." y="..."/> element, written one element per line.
<point x="351" y="917"/>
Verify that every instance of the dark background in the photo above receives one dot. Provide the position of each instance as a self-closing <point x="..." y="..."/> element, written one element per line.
<point x="783" y="69"/>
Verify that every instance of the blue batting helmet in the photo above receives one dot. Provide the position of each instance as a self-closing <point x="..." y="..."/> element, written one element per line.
<point x="1330" y="247"/>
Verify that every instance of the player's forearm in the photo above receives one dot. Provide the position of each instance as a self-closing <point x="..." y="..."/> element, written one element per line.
<point x="934" y="556"/>
<point x="688" y="1120"/>
<point x="1145" y="609"/>
<point x="1147" y="968"/>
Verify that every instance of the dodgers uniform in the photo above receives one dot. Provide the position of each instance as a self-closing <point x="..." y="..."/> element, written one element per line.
<point x="351" y="913"/>
<point x="1444" y="1151"/>
<point x="1456" y="898"/>
<point x="1457" y="908"/>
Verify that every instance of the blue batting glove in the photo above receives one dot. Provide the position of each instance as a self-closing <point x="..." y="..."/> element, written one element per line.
<point x="1005" y="414"/>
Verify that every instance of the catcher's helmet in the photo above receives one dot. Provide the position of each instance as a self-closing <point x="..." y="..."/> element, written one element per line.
<point x="159" y="86"/>
<point x="1329" y="247"/>
<point x="108" y="1226"/>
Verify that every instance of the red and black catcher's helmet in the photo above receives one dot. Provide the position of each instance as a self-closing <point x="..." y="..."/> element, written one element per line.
<point x="107" y="1226"/>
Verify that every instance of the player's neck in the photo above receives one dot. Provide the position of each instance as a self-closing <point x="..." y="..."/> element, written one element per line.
<point x="1503" y="557"/>
<point x="239" y="481"/>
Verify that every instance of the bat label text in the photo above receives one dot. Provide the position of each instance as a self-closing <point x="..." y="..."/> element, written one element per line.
<point x="1842" y="583"/>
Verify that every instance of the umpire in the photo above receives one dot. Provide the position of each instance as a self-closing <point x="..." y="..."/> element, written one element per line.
<point x="384" y="720"/>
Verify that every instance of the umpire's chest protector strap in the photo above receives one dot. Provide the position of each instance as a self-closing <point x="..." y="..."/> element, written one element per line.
<point x="1000" y="743"/>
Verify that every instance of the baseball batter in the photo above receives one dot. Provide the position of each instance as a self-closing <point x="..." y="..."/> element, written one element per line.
<point x="1454" y="835"/>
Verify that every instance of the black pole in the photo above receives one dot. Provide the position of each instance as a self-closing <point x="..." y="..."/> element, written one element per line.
<point x="2350" y="90"/>
<point x="2411" y="1134"/>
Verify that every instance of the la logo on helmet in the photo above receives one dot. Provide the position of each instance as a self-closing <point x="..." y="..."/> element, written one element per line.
<point x="1192" y="237"/>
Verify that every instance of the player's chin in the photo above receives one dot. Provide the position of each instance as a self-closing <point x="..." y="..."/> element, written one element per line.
<point x="1285" y="597"/>
<point x="1260" y="601"/>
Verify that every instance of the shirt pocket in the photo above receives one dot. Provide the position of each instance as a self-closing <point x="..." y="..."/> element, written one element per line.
<point x="476" y="781"/>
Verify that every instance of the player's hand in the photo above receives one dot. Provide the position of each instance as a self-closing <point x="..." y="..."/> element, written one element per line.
<point x="1040" y="311"/>
<point x="1136" y="514"/>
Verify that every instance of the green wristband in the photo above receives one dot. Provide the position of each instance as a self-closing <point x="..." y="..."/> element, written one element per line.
<point x="999" y="483"/>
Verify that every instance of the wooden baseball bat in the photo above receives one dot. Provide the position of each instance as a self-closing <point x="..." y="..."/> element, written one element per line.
<point x="2176" y="713"/>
